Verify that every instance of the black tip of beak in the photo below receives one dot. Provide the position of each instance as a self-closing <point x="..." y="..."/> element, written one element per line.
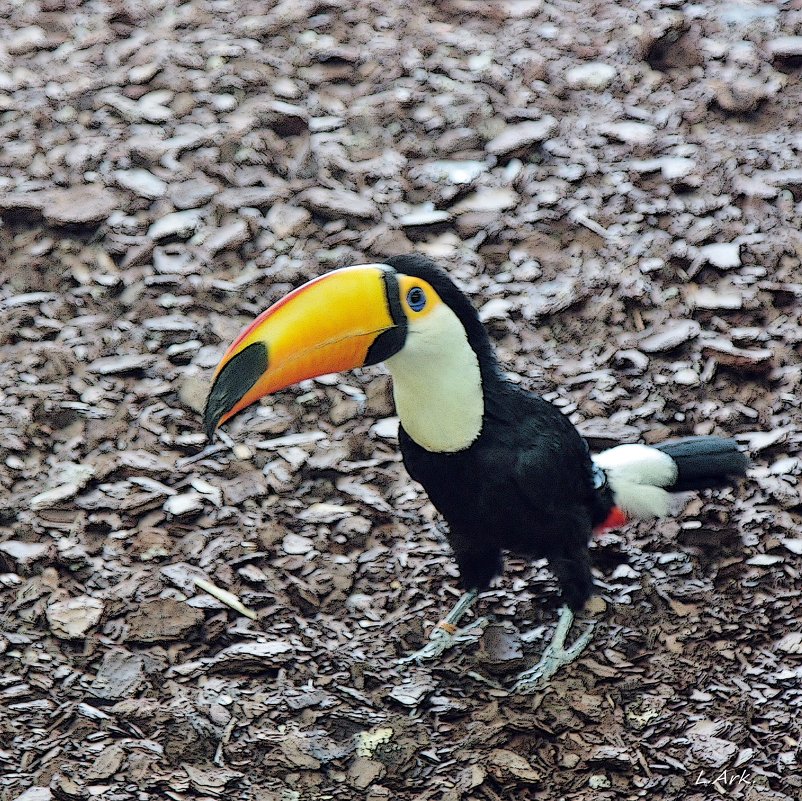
<point x="210" y="418"/>
<point x="238" y="375"/>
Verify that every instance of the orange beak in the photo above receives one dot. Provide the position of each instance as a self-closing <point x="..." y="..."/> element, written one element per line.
<point x="344" y="319"/>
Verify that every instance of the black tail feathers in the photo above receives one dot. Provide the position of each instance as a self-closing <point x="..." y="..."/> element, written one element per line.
<point x="704" y="461"/>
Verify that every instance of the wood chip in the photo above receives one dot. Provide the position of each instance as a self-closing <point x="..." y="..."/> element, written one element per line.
<point x="163" y="619"/>
<point x="672" y="335"/>
<point x="748" y="361"/>
<point x="72" y="619"/>
<point x="228" y="598"/>
<point x="515" y="139"/>
<point x="505" y="765"/>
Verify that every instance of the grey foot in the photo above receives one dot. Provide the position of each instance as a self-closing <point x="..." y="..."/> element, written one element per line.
<point x="555" y="655"/>
<point x="446" y="632"/>
<point x="441" y="640"/>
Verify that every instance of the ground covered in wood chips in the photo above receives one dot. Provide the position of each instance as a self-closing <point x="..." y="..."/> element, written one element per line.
<point x="618" y="188"/>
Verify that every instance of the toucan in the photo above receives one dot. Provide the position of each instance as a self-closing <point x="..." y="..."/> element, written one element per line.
<point x="506" y="469"/>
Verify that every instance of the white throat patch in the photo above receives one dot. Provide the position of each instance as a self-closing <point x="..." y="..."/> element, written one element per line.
<point x="437" y="383"/>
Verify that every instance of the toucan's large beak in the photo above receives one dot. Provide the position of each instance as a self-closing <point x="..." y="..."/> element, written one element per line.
<point x="344" y="319"/>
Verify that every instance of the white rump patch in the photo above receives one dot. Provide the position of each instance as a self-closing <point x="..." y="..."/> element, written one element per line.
<point x="637" y="475"/>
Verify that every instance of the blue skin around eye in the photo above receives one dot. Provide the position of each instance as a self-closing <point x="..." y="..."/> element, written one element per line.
<point x="416" y="299"/>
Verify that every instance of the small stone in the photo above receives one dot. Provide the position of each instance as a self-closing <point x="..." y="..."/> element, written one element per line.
<point x="295" y="544"/>
<point x="723" y="255"/>
<point x="500" y="649"/>
<point x="185" y="504"/>
<point x="325" y="124"/>
<point x="144" y="72"/>
<point x="68" y="478"/>
<point x="326" y="513"/>
<point x="252" y="656"/>
<point x="67" y="788"/>
<point x="786" y="47"/>
<point x="412" y="690"/>
<point x="228" y="237"/>
<point x="791" y="643"/>
<point x="674" y="334"/>
<point x="630" y="133"/>
<point x="687" y="377"/>
<point x="707" y="747"/>
<point x="285" y="119"/>
<point x="522" y="136"/>
<point x="453" y="172"/>
<point x="149" y="108"/>
<point x="256" y="197"/>
<point x="339" y="203"/>
<point x="72" y="619"/>
<point x="758" y="360"/>
<point x="786" y="179"/>
<point x="424" y="216"/>
<point x="36" y="794"/>
<point x="753" y="186"/>
<point x="182" y="352"/>
<point x="742" y="95"/>
<point x="163" y="619"/>
<point x="241" y="451"/>
<point x="141" y="182"/>
<point x="169" y="323"/>
<point x="639" y="361"/>
<point x="495" y="309"/>
<point x="194" y="193"/>
<point x="706" y="298"/>
<point x="793" y="545"/>
<point x="26" y="299"/>
<point x="676" y="168"/>
<point x="172" y="259"/>
<point x="386" y="428"/>
<point x="119" y="365"/>
<point x="179" y="224"/>
<point x="79" y="205"/>
<point x="651" y="265"/>
<point x="593" y="75"/>
<point x="108" y="762"/>
<point x="24" y="553"/>
<point x="25" y="40"/>
<point x="285" y="220"/>
<point x="119" y="675"/>
<point x="362" y="772"/>
<point x="615" y="756"/>
<point x="505" y="765"/>
<point x="52" y="497"/>
<point x="519" y="9"/>
<point x="596" y="605"/>
<point x="488" y="200"/>
<point x="764" y="560"/>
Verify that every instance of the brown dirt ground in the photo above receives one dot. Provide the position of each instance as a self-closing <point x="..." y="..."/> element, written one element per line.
<point x="616" y="185"/>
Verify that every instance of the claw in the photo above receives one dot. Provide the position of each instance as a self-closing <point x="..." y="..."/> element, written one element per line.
<point x="446" y="634"/>
<point x="555" y="655"/>
<point x="441" y="640"/>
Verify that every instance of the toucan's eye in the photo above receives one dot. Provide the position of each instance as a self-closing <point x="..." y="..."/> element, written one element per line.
<point x="416" y="298"/>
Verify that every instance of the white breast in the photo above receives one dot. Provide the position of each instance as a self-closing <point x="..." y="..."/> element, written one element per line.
<point x="437" y="383"/>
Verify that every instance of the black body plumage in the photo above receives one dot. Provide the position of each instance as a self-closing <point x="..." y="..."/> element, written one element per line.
<point x="527" y="484"/>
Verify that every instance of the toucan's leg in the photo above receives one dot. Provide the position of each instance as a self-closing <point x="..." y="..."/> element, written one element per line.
<point x="555" y="655"/>
<point x="446" y="633"/>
